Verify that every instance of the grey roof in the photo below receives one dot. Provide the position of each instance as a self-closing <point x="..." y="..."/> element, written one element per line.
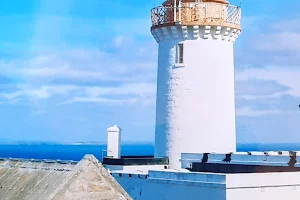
<point x="46" y="179"/>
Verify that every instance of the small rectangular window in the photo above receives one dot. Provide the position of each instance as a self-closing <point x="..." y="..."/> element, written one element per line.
<point x="180" y="53"/>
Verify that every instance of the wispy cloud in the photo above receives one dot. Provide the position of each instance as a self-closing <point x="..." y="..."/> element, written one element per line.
<point x="130" y="93"/>
<point x="118" y="41"/>
<point x="81" y="65"/>
<point x="253" y="87"/>
<point x="100" y="100"/>
<point x="280" y="42"/>
<point x="271" y="43"/>
<point x="249" y="112"/>
<point x="285" y="76"/>
<point x="43" y="92"/>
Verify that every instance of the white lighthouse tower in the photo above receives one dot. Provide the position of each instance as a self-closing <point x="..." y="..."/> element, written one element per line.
<point x="195" y="106"/>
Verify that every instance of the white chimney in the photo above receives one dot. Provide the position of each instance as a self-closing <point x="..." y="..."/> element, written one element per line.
<point x="114" y="142"/>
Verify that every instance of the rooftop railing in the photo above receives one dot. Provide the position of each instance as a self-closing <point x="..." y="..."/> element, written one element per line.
<point x="196" y="13"/>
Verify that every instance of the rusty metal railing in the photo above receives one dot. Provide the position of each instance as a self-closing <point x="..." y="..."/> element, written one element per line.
<point x="196" y="12"/>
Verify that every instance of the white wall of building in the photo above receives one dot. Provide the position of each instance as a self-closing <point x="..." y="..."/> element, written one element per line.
<point x="273" y="186"/>
<point x="195" y="106"/>
<point x="134" y="169"/>
<point x="170" y="187"/>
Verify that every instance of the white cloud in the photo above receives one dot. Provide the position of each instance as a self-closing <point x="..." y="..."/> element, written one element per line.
<point x="281" y="41"/>
<point x="265" y="97"/>
<point x="275" y="101"/>
<point x="253" y="89"/>
<point x="291" y="24"/>
<point x="62" y="72"/>
<point x="283" y="75"/>
<point x="143" y="93"/>
<point x="101" y="100"/>
<point x="248" y="112"/>
<point x="43" y="92"/>
<point x="118" y="41"/>
<point x="11" y="96"/>
<point x="86" y="75"/>
<point x="86" y="65"/>
<point x="140" y="89"/>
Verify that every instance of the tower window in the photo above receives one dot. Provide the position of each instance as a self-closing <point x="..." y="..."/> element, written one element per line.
<point x="180" y="53"/>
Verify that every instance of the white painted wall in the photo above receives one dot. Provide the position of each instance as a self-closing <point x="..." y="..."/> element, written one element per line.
<point x="195" y="105"/>
<point x="134" y="169"/>
<point x="264" y="193"/>
<point x="141" y="188"/>
<point x="114" y="142"/>
<point x="174" y="185"/>
<point x="273" y="186"/>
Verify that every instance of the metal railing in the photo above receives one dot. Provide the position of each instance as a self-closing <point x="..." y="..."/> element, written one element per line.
<point x="196" y="12"/>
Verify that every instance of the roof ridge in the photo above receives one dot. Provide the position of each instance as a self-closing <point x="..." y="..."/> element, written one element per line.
<point x="81" y="168"/>
<point x="57" y="180"/>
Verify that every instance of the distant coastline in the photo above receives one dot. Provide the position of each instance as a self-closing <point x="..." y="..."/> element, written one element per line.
<point x="68" y="151"/>
<point x="4" y="142"/>
<point x="77" y="150"/>
<point x="68" y="143"/>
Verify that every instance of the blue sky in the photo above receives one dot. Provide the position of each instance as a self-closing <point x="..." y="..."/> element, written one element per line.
<point x="71" y="69"/>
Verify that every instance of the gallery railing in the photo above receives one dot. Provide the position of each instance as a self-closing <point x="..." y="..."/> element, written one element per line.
<point x="193" y="13"/>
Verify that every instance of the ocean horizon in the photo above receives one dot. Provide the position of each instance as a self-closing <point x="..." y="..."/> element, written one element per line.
<point x="76" y="151"/>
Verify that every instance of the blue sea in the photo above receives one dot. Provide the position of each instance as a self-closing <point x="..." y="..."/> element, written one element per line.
<point x="77" y="151"/>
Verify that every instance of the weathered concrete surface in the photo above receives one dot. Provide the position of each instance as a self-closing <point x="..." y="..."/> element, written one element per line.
<point x="37" y="180"/>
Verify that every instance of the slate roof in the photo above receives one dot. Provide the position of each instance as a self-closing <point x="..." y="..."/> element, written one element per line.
<point x="57" y="180"/>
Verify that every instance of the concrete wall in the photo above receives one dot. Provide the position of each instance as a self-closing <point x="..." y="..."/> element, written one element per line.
<point x="168" y="184"/>
<point x="195" y="106"/>
<point x="275" y="186"/>
<point x="173" y="186"/>
<point x="134" y="168"/>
